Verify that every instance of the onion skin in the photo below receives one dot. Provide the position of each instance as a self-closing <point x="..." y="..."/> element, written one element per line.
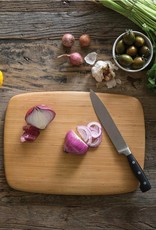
<point x="84" y="40"/>
<point x="73" y="144"/>
<point x="75" y="59"/>
<point x="68" y="40"/>
<point x="30" y="134"/>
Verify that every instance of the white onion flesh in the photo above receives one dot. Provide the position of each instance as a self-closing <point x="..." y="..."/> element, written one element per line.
<point x="95" y="129"/>
<point x="85" y="133"/>
<point x="91" y="133"/>
<point x="39" y="116"/>
<point x="96" y="141"/>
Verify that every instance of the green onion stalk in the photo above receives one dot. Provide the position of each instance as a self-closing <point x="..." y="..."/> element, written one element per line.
<point x="143" y="14"/>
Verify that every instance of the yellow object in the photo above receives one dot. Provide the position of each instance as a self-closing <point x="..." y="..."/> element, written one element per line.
<point x="1" y="78"/>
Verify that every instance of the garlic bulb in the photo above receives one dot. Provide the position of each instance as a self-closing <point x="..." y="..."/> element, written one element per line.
<point x="103" y="72"/>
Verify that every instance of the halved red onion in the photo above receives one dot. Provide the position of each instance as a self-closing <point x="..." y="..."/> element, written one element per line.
<point x="73" y="144"/>
<point x="85" y="133"/>
<point x="39" y="116"/>
<point x="30" y="133"/>
<point x="95" y="129"/>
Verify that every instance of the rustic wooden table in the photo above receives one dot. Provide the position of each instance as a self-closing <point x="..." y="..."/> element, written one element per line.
<point x="30" y="33"/>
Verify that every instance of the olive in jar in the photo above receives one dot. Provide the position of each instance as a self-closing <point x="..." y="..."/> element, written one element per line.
<point x="129" y="37"/>
<point x="132" y="51"/>
<point x="144" y="51"/>
<point x="120" y="47"/>
<point x="138" y="63"/>
<point x="139" y="41"/>
<point x="125" y="60"/>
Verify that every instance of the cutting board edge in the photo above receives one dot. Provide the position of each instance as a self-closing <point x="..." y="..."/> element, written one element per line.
<point x="13" y="185"/>
<point x="67" y="92"/>
<point x="99" y="193"/>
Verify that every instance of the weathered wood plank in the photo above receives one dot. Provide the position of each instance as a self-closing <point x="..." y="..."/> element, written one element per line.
<point x="80" y="217"/>
<point x="34" y="66"/>
<point x="46" y="5"/>
<point x="39" y="25"/>
<point x="30" y="33"/>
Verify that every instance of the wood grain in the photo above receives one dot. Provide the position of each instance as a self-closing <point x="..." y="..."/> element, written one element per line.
<point x="28" y="64"/>
<point x="43" y="166"/>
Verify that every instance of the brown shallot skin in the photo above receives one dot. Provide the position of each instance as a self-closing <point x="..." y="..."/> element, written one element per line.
<point x="68" y="40"/>
<point x="84" y="40"/>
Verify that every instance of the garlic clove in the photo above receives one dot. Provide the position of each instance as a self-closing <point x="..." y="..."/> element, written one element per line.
<point x="91" y="58"/>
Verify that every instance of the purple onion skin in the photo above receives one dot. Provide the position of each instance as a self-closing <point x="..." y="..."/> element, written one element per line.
<point x="30" y="134"/>
<point x="73" y="144"/>
<point x="76" y="59"/>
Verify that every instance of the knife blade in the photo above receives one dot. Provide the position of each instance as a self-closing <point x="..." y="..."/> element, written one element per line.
<point x="118" y="141"/>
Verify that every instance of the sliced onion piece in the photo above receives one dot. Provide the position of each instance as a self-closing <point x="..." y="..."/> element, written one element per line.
<point x="39" y="116"/>
<point x="95" y="129"/>
<point x="73" y="144"/>
<point x="85" y="133"/>
<point x="96" y="142"/>
<point x="30" y="133"/>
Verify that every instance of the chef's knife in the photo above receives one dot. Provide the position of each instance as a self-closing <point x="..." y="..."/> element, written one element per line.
<point x="118" y="141"/>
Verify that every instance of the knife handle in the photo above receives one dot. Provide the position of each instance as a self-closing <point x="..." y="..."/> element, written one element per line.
<point x="139" y="173"/>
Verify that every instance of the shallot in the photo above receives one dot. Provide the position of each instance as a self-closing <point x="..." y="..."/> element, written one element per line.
<point x="73" y="144"/>
<point x="84" y="40"/>
<point x="74" y="58"/>
<point x="68" y="40"/>
<point x="39" y="116"/>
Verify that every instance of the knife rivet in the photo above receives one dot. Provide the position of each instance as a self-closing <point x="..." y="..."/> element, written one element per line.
<point x="133" y="162"/>
<point x="139" y="172"/>
<point x="145" y="183"/>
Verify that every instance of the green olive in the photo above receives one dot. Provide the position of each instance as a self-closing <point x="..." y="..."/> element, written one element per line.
<point x="120" y="47"/>
<point x="139" y="41"/>
<point x="129" y="37"/>
<point x="132" y="51"/>
<point x="125" y="60"/>
<point x="138" y="63"/>
<point x="144" y="51"/>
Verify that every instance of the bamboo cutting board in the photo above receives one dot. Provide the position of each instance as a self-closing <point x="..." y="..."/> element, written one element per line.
<point x="43" y="167"/>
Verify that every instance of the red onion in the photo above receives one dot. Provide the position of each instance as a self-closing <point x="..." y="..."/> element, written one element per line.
<point x="39" y="116"/>
<point x="91" y="134"/>
<point x="68" y="40"/>
<point x="30" y="133"/>
<point x="75" y="58"/>
<point x="84" y="40"/>
<point x="95" y="141"/>
<point x="85" y="133"/>
<point x="95" y="129"/>
<point x="73" y="144"/>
